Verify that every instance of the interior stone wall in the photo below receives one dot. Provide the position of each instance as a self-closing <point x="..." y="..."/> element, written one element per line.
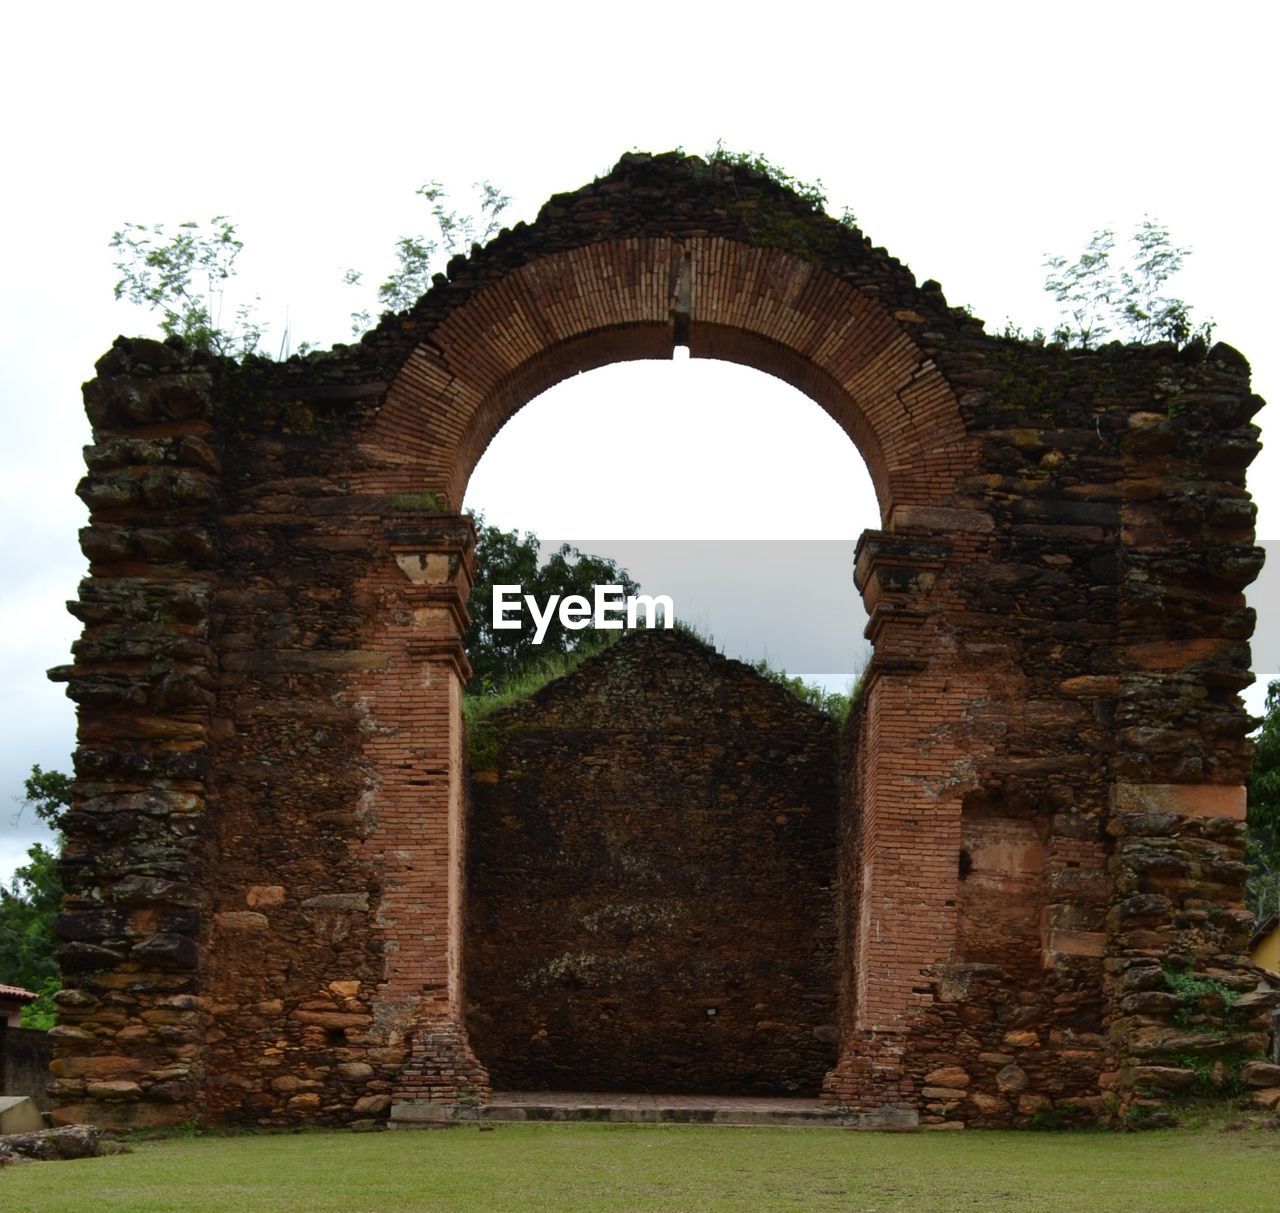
<point x="651" y="874"/>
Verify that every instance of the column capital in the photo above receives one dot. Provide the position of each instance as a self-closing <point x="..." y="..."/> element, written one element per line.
<point x="437" y="555"/>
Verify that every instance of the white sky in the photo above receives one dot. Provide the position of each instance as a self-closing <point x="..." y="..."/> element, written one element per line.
<point x="970" y="140"/>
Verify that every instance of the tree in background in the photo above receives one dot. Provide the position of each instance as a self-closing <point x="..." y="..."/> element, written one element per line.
<point x="1102" y="301"/>
<point x="1264" y="812"/>
<point x="30" y="904"/>
<point x="499" y="657"/>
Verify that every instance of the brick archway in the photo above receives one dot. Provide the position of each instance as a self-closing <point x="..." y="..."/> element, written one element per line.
<point x="263" y="861"/>
<point x="617" y="300"/>
<point x="576" y="308"/>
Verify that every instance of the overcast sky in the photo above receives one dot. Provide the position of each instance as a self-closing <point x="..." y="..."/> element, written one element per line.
<point x="970" y="140"/>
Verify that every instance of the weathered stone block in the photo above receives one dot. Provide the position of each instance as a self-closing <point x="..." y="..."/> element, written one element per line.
<point x="948" y="1076"/>
<point x="242" y="920"/>
<point x="1012" y="1079"/>
<point x="114" y="1089"/>
<point x="1260" y="1074"/>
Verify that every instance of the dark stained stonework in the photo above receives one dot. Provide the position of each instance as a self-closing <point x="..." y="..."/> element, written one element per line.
<point x="651" y="872"/>
<point x="265" y="855"/>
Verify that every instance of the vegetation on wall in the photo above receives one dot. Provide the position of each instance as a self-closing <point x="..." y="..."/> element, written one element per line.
<point x="508" y="667"/>
<point x="1102" y="299"/>
<point x="812" y="192"/>
<point x="419" y="257"/>
<point x="182" y="272"/>
<point x="835" y="704"/>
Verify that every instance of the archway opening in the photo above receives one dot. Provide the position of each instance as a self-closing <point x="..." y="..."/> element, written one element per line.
<point x="821" y="310"/>
<point x="652" y="875"/>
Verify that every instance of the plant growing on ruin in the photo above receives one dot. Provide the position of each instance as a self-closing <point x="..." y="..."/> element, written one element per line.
<point x="1102" y="300"/>
<point x="183" y="274"/>
<point x="420" y="257"/>
<point x="1051" y="1120"/>
<point x="832" y="703"/>
<point x="835" y="704"/>
<point x="812" y="192"/>
<point x="427" y="501"/>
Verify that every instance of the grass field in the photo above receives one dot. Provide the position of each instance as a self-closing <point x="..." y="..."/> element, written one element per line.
<point x="532" y="1168"/>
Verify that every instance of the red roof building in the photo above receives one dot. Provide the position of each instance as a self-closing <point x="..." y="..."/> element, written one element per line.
<point x="12" y="1000"/>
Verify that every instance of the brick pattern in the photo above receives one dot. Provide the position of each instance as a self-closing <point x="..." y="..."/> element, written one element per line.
<point x="266" y="851"/>
<point x="417" y="837"/>
<point x="615" y="300"/>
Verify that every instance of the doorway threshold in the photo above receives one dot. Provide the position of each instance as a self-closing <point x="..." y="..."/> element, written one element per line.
<point x="507" y="1107"/>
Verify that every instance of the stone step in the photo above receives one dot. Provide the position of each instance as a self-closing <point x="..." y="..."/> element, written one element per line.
<point x="507" y="1108"/>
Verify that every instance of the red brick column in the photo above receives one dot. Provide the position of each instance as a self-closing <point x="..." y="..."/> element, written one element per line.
<point x="416" y="747"/>
<point x="906" y="833"/>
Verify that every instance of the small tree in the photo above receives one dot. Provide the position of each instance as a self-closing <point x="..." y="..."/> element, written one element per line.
<point x="1100" y="300"/>
<point x="419" y="257"/>
<point x="183" y="276"/>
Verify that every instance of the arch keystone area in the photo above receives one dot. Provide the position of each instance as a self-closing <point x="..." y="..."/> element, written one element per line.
<point x="264" y="858"/>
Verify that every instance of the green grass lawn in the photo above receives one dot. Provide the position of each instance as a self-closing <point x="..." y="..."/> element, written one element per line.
<point x="532" y="1168"/>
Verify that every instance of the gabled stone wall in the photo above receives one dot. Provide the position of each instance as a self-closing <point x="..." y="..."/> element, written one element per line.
<point x="651" y="873"/>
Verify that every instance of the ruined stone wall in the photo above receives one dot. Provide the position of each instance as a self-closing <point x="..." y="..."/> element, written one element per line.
<point x="264" y="861"/>
<point x="1099" y="946"/>
<point x="292" y="958"/>
<point x="1130" y="542"/>
<point x="135" y="862"/>
<point x="651" y="880"/>
<point x="1184" y="1002"/>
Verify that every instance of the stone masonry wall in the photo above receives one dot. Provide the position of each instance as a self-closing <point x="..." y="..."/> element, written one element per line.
<point x="651" y="880"/>
<point x="1099" y="961"/>
<point x="130" y="1035"/>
